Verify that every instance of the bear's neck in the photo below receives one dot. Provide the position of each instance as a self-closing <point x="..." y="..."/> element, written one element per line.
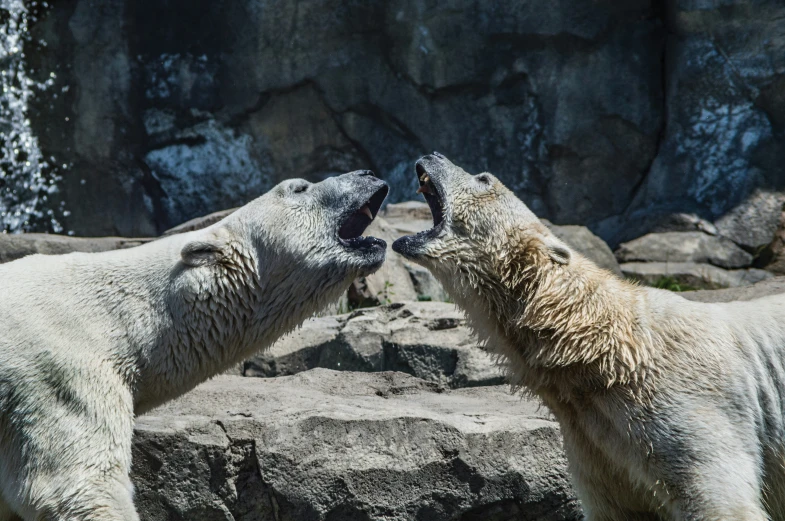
<point x="573" y="327"/>
<point x="236" y="313"/>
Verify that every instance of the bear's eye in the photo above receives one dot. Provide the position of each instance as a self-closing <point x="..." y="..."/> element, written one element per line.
<point x="300" y="188"/>
<point x="484" y="179"/>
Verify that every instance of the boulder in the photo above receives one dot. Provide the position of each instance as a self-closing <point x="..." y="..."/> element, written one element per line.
<point x="692" y="275"/>
<point x="772" y="258"/>
<point x="753" y="222"/>
<point x="764" y="288"/>
<point x="16" y="246"/>
<point x="329" y="446"/>
<point x="407" y="211"/>
<point x="199" y="222"/>
<point x="587" y="244"/>
<point x="391" y="283"/>
<point x="684" y="247"/>
<point x="429" y="340"/>
<point x="425" y="284"/>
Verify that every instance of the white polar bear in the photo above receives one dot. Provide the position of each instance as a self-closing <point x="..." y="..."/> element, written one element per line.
<point x="87" y="341"/>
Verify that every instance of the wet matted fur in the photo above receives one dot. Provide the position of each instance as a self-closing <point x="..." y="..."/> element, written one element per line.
<point x="669" y="409"/>
<point x="90" y="340"/>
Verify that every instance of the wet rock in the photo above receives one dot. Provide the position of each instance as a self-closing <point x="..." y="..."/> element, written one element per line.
<point x="692" y="275"/>
<point x="684" y="247"/>
<point x="429" y="340"/>
<point x="326" y="445"/>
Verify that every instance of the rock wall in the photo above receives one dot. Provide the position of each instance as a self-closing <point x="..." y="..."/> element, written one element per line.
<point x="609" y="114"/>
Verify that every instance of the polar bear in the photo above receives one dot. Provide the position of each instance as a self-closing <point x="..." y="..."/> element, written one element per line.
<point x="87" y="341"/>
<point x="669" y="409"/>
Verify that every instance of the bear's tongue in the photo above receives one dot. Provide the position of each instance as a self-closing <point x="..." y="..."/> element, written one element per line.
<point x="356" y="224"/>
<point x="430" y="193"/>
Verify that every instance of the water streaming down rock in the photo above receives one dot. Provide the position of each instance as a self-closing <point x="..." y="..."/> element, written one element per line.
<point x="27" y="179"/>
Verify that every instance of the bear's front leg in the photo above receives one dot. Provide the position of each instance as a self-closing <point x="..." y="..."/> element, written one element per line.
<point x="70" y="441"/>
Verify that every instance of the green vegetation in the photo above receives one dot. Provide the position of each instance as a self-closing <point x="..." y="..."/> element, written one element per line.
<point x="385" y="294"/>
<point x="671" y="284"/>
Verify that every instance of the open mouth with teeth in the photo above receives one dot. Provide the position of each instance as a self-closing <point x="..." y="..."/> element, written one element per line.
<point x="431" y="193"/>
<point x="356" y="221"/>
<point x="431" y="190"/>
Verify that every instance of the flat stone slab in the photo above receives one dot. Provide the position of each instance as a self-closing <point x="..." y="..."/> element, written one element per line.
<point x="684" y="247"/>
<point x="16" y="246"/>
<point x="328" y="445"/>
<point x="698" y="276"/>
<point x="429" y="340"/>
<point x="773" y="286"/>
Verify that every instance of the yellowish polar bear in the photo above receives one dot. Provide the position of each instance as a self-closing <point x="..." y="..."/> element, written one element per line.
<point x="87" y="341"/>
<point x="670" y="409"/>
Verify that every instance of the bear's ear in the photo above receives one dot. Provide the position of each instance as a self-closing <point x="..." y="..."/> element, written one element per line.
<point x="557" y="250"/>
<point x="208" y="249"/>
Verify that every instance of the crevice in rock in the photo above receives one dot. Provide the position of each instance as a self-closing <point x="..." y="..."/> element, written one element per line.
<point x="366" y="156"/>
<point x="662" y="11"/>
<point x="152" y="187"/>
<point x="265" y="97"/>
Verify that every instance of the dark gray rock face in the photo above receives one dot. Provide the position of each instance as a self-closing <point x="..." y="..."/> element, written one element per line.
<point x="722" y="140"/>
<point x="180" y="108"/>
<point x="333" y="446"/>
<point x="429" y="340"/>
<point x="622" y="116"/>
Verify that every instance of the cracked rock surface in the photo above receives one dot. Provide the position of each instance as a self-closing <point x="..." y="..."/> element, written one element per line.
<point x="326" y="445"/>
<point x="429" y="340"/>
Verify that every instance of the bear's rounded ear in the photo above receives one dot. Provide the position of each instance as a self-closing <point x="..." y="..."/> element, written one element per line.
<point x="207" y="249"/>
<point x="557" y="250"/>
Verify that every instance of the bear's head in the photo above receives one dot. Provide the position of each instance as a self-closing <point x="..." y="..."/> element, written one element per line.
<point x="300" y="239"/>
<point x="483" y="235"/>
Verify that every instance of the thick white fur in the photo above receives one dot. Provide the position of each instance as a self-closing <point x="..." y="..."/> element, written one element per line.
<point x="670" y="409"/>
<point x="90" y="340"/>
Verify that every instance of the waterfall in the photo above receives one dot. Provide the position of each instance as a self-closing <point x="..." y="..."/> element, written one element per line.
<point x="27" y="179"/>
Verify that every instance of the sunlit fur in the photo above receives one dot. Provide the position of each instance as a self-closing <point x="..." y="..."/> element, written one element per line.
<point x="669" y="409"/>
<point x="90" y="340"/>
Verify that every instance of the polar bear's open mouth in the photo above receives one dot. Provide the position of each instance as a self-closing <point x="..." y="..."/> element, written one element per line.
<point x="430" y="191"/>
<point x="431" y="179"/>
<point x="355" y="223"/>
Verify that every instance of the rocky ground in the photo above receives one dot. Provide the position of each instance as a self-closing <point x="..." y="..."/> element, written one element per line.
<point x="385" y="408"/>
<point x="349" y="446"/>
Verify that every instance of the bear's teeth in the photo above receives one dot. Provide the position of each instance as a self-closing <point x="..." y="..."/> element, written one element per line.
<point x="367" y="211"/>
<point x="424" y="189"/>
<point x="425" y="178"/>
